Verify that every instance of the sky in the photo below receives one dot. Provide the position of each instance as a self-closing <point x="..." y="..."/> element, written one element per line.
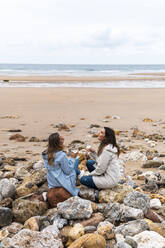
<point x="82" y="31"/>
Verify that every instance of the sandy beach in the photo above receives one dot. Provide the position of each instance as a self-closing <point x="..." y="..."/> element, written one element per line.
<point x="37" y="112"/>
<point x="131" y="77"/>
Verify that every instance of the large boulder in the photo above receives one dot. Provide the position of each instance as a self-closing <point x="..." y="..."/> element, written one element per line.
<point x="128" y="213"/>
<point x="5" y="216"/>
<point x="149" y="239"/>
<point x="138" y="200"/>
<point x="112" y="212"/>
<point x="89" y="241"/>
<point x="24" y="209"/>
<point x="132" y="228"/>
<point x="75" y="208"/>
<point x="32" y="239"/>
<point x="7" y="189"/>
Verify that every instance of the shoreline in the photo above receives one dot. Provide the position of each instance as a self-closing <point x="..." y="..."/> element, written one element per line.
<point x="61" y="79"/>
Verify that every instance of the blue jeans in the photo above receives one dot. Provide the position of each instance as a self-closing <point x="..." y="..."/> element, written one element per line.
<point x="76" y="164"/>
<point x="88" y="180"/>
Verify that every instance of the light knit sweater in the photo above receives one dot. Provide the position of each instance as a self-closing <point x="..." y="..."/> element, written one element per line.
<point x="107" y="172"/>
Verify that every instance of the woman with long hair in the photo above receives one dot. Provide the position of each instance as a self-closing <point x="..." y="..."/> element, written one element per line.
<point x="61" y="171"/>
<point x="105" y="171"/>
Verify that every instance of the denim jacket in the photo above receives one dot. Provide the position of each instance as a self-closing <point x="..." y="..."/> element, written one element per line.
<point x="62" y="174"/>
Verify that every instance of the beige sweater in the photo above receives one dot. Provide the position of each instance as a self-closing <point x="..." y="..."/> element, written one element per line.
<point x="107" y="172"/>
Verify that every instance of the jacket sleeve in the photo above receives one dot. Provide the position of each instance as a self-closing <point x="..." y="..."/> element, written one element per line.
<point x="102" y="164"/>
<point x="67" y="165"/>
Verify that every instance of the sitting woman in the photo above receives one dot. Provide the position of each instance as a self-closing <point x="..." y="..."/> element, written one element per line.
<point x="105" y="171"/>
<point x="61" y="171"/>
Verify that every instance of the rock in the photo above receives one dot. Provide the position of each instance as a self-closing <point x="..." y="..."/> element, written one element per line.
<point x="150" y="175"/>
<point x="162" y="167"/>
<point x="94" y="125"/>
<point x="17" y="137"/>
<point x="24" y="209"/>
<point x="157" y="227"/>
<point x="63" y="126"/>
<point x="152" y="164"/>
<point x="21" y="173"/>
<point x="89" y="241"/>
<point x="75" y="208"/>
<point x="5" y="216"/>
<point x="149" y="239"/>
<point x="107" y="195"/>
<point x="8" y="175"/>
<point x="112" y="212"/>
<point x="150" y="186"/>
<point x="26" y="189"/>
<point x="155" y="203"/>
<point x="95" y="219"/>
<point x="151" y="215"/>
<point x="134" y="156"/>
<point x="38" y="165"/>
<point x="122" y="244"/>
<point x="130" y="241"/>
<point x="14" y="130"/>
<point x="132" y="228"/>
<point x="76" y="232"/>
<point x="87" y="193"/>
<point x="129" y="213"/>
<point x="38" y="177"/>
<point x="160" y="197"/>
<point x="90" y="229"/>
<point x="101" y="207"/>
<point x="32" y="224"/>
<point x="32" y="239"/>
<point x="138" y="200"/>
<point x="7" y="189"/>
<point x="116" y="194"/>
<point x="10" y="230"/>
<point x="7" y="202"/>
<point x="106" y="230"/>
<point x="58" y="221"/>
<point x="125" y="190"/>
<point x="34" y="139"/>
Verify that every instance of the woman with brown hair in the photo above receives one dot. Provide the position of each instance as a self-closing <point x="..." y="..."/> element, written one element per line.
<point x="61" y="171"/>
<point x="105" y="171"/>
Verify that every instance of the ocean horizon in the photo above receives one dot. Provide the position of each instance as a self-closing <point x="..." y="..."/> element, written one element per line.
<point x="83" y="70"/>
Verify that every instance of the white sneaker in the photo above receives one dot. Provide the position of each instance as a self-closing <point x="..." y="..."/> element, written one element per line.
<point x="82" y="173"/>
<point x="44" y="194"/>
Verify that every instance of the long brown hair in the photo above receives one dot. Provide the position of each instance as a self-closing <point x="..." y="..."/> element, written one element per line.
<point x="54" y="145"/>
<point x="109" y="138"/>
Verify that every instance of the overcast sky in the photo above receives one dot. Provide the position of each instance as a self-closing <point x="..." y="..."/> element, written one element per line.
<point x="82" y="31"/>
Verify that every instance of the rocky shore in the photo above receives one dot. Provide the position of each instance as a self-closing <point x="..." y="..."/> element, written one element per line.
<point x="130" y="215"/>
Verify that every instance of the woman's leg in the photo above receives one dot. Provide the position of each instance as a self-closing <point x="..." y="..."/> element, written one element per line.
<point x="90" y="164"/>
<point x="76" y="164"/>
<point x="88" y="181"/>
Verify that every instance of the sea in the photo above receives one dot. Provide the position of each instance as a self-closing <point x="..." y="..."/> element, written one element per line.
<point x="83" y="70"/>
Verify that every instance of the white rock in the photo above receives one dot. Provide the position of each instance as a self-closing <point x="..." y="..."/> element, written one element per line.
<point x="39" y="165"/>
<point x="135" y="155"/>
<point x="119" y="237"/>
<point x="155" y="203"/>
<point x="7" y="189"/>
<point x="149" y="239"/>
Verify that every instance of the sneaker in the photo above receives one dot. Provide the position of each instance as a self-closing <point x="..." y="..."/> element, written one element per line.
<point x="82" y="173"/>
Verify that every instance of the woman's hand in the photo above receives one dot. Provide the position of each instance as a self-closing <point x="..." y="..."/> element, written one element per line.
<point x="74" y="154"/>
<point x="91" y="149"/>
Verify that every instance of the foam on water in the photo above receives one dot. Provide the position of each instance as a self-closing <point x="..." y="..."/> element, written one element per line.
<point x="120" y="84"/>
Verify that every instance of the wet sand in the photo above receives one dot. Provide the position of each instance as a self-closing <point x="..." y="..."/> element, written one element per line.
<point x="131" y="77"/>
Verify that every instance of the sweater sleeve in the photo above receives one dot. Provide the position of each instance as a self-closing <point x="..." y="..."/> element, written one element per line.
<point x="102" y="164"/>
<point x="67" y="165"/>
